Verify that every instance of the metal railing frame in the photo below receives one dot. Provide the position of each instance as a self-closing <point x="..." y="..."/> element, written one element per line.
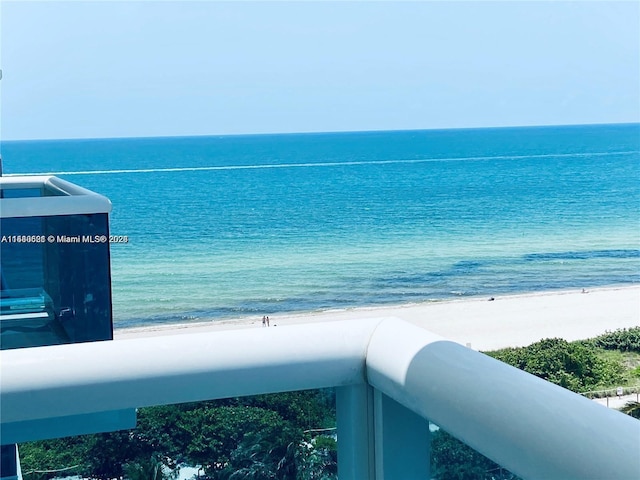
<point x="391" y="377"/>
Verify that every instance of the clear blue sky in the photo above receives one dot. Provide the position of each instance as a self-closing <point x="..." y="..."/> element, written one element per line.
<point x="113" y="69"/>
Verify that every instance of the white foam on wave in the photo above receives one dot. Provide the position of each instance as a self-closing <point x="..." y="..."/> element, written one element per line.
<point x="326" y="164"/>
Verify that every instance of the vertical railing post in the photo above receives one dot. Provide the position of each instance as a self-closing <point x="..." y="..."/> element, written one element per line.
<point x="402" y="441"/>
<point x="354" y="408"/>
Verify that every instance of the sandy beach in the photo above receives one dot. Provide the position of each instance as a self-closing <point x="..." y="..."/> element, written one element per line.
<point x="481" y="323"/>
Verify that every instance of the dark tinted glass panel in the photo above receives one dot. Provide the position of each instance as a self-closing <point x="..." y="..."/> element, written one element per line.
<point x="21" y="192"/>
<point x="56" y="285"/>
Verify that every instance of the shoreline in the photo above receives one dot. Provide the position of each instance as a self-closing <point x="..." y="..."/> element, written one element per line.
<point x="480" y="323"/>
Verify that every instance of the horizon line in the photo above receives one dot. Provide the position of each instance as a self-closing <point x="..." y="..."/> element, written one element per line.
<point x="315" y="132"/>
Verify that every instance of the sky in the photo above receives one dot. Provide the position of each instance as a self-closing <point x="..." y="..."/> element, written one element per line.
<point x="135" y="69"/>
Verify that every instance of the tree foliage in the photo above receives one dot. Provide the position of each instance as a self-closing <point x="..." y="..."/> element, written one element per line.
<point x="318" y="459"/>
<point x="66" y="454"/>
<point x="151" y="469"/>
<point x="227" y="438"/>
<point x="258" y="437"/>
<point x="573" y="365"/>
<point x="453" y="460"/>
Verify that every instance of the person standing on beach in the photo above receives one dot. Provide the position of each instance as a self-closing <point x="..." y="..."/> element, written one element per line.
<point x="264" y="320"/>
<point x="267" y="321"/>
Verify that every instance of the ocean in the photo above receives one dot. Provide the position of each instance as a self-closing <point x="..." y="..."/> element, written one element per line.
<point x="243" y="226"/>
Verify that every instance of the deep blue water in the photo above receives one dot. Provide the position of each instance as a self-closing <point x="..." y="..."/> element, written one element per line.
<point x="262" y="224"/>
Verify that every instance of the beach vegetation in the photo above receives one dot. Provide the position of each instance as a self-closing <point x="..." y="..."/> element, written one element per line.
<point x="632" y="409"/>
<point x="577" y="366"/>
<point x="630" y="362"/>
<point x="623" y="340"/>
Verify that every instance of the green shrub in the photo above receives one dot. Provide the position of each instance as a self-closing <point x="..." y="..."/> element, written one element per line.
<point x="572" y="365"/>
<point x="625" y="340"/>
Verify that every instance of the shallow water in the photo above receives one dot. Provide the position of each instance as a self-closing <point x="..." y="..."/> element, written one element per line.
<point x="253" y="225"/>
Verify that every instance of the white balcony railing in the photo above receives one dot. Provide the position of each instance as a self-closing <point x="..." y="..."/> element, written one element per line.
<point x="391" y="377"/>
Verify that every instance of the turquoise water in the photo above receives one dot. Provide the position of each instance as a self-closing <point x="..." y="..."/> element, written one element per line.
<point x="265" y="224"/>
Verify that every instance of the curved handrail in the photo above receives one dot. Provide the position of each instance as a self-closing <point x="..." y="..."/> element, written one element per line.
<point x="532" y="427"/>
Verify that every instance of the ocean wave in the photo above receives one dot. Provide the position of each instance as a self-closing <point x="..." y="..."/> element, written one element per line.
<point x="326" y="164"/>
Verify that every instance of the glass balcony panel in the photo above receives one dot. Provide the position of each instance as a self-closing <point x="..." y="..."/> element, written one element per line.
<point x="54" y="268"/>
<point x="22" y="192"/>
<point x="284" y="435"/>
<point x="451" y="458"/>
